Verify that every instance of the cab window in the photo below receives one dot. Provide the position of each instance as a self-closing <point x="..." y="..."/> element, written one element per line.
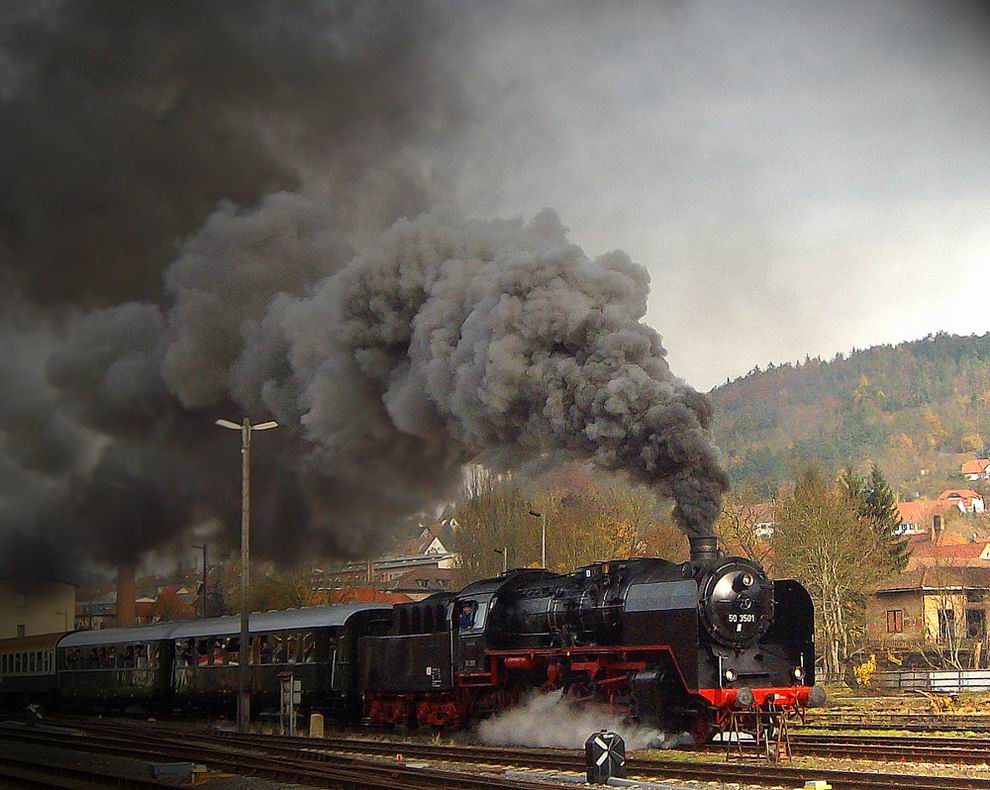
<point x="472" y="615"/>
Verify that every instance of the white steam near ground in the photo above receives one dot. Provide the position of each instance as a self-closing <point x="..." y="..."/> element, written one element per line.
<point x="554" y="721"/>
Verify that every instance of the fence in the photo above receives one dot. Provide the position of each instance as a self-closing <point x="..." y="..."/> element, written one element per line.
<point x="942" y="681"/>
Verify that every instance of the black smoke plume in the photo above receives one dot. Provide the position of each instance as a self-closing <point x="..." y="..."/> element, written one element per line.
<point x="147" y="301"/>
<point x="124" y="124"/>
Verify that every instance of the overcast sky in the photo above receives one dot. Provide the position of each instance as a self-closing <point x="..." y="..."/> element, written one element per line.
<point x="800" y="178"/>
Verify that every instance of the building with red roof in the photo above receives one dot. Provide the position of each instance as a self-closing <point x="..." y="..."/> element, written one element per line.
<point x="919" y="517"/>
<point x="968" y="500"/>
<point x="977" y="469"/>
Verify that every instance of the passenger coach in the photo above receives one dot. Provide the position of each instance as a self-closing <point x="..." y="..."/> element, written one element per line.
<point x="316" y="644"/>
<point x="27" y="668"/>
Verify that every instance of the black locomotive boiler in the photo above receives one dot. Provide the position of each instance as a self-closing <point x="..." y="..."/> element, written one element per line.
<point x="678" y="645"/>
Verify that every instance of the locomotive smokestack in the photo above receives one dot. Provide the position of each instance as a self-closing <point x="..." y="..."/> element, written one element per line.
<point x="704" y="550"/>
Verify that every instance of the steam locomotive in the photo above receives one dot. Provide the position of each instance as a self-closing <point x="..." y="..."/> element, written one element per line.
<point x="680" y="646"/>
<point x="677" y="645"/>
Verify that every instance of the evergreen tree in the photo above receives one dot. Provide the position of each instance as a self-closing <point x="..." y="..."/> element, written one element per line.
<point x="853" y="484"/>
<point x="879" y="506"/>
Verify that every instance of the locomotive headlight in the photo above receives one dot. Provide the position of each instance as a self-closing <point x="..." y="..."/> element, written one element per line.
<point x="799" y="673"/>
<point x="730" y="674"/>
<point x="748" y="579"/>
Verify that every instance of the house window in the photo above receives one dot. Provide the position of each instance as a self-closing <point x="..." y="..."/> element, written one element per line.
<point x="895" y="621"/>
<point x="976" y="623"/>
<point x="946" y="625"/>
<point x="21" y="630"/>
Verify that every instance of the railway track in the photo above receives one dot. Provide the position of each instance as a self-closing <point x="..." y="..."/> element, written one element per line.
<point x="28" y="774"/>
<point x="909" y="722"/>
<point x="934" y="749"/>
<point x="307" y="751"/>
<point x="279" y="763"/>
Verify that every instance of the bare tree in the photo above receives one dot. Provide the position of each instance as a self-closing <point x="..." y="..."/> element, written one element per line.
<point x="821" y="540"/>
<point x="742" y="526"/>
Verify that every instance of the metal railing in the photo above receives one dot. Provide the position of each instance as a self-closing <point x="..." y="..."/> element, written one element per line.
<point x="950" y="681"/>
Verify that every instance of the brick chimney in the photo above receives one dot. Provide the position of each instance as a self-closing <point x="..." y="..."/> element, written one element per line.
<point x="126" y="593"/>
<point x="936" y="530"/>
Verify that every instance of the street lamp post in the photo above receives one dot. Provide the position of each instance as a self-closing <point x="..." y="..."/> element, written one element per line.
<point x="543" y="536"/>
<point x="243" y="692"/>
<point x="203" y="591"/>
<point x="504" y="551"/>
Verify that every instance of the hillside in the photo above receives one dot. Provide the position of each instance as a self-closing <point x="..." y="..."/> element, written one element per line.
<point x="918" y="409"/>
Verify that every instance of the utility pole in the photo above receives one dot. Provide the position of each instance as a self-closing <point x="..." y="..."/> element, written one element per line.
<point x="203" y="591"/>
<point x="243" y="688"/>
<point x="543" y="536"/>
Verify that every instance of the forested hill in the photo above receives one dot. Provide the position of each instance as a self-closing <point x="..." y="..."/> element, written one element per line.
<point x="918" y="409"/>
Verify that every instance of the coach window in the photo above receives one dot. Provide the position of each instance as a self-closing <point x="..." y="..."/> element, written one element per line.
<point x="30" y="667"/>
<point x="263" y="649"/>
<point x="309" y="648"/>
<point x="17" y="663"/>
<point x="232" y="650"/>
<point x="278" y="648"/>
<point x="292" y="648"/>
<point x="202" y="652"/>
<point x="153" y="655"/>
